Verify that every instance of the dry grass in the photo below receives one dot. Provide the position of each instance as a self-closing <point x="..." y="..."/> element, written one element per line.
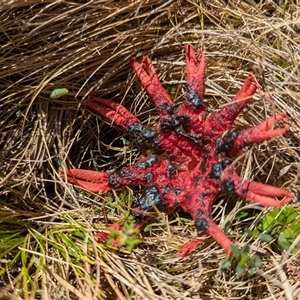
<point x="46" y="226"/>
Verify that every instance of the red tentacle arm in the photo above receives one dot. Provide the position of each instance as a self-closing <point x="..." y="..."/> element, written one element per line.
<point x="259" y="133"/>
<point x="195" y="69"/>
<point x="256" y="192"/>
<point x="215" y="232"/>
<point x="226" y="116"/>
<point x="156" y="171"/>
<point x="219" y="236"/>
<point x="189" y="247"/>
<point x="213" y="125"/>
<point x="93" y="181"/>
<point x="149" y="79"/>
<point x="135" y="174"/>
<point x="193" y="105"/>
<point x="113" y="111"/>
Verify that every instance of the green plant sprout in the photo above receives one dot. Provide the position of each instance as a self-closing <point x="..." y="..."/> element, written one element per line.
<point x="127" y="236"/>
<point x="244" y="262"/>
<point x="282" y="225"/>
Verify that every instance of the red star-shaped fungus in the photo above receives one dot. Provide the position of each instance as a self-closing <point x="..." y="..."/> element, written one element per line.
<point x="192" y="148"/>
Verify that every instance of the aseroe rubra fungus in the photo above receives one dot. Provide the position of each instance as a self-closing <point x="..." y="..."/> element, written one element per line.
<point x="192" y="151"/>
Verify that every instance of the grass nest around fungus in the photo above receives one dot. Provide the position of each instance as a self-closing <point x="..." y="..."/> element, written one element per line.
<point x="47" y="226"/>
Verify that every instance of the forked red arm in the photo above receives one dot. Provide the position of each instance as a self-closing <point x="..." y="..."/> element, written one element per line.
<point x="93" y="181"/>
<point x="256" y="192"/>
<point x="113" y="111"/>
<point x="150" y="81"/>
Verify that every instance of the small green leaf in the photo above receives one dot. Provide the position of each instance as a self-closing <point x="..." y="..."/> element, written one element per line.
<point x="227" y="226"/>
<point x="147" y="228"/>
<point x="283" y="242"/>
<point x="242" y="214"/>
<point x="244" y="260"/>
<point x="125" y="141"/>
<point x="265" y="237"/>
<point x="240" y="269"/>
<point x="132" y="243"/>
<point x="225" y="264"/>
<point x="256" y="262"/>
<point x="235" y="250"/>
<point x="246" y="249"/>
<point x="58" y="93"/>
<point x="282" y="222"/>
<point x="18" y="113"/>
<point x="251" y="272"/>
